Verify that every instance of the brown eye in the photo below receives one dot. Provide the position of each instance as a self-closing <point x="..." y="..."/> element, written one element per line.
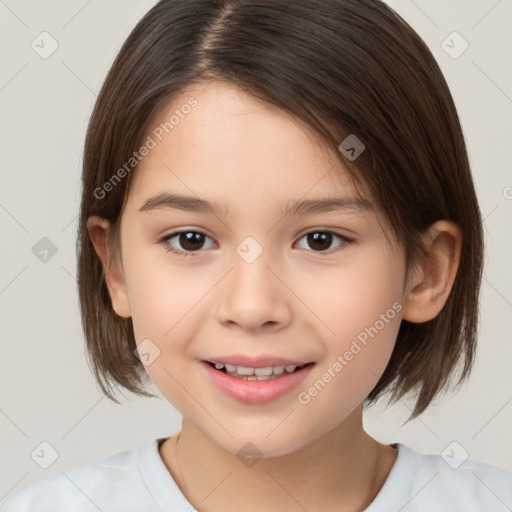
<point x="321" y="241"/>
<point x="191" y="241"/>
<point x="184" y="242"/>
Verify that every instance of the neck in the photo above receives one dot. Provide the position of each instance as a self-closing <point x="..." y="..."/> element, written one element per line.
<point x="343" y="470"/>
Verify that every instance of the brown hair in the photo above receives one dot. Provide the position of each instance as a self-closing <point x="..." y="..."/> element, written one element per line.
<point x="341" y="66"/>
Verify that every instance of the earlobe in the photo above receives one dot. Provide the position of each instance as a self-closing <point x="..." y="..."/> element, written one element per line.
<point x="98" y="228"/>
<point x="430" y="284"/>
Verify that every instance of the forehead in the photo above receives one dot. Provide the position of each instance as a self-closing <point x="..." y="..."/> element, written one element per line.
<point x="232" y="145"/>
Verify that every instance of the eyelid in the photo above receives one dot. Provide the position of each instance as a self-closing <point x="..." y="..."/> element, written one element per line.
<point x="345" y="241"/>
<point x="164" y="240"/>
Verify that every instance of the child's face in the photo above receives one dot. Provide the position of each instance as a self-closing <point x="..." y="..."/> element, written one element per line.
<point x="292" y="301"/>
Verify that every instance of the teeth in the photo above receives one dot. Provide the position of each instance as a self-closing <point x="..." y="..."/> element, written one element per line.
<point x="242" y="370"/>
<point x="256" y="373"/>
<point x="263" y="371"/>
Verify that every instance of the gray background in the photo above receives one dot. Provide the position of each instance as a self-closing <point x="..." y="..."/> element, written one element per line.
<point x="47" y="391"/>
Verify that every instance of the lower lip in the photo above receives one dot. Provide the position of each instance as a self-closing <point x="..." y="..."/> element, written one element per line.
<point x="256" y="391"/>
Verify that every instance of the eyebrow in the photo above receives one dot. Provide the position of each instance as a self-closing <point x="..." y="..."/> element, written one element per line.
<point x="166" y="200"/>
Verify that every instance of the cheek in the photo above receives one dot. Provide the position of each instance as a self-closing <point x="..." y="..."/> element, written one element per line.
<point x="161" y="294"/>
<point x="353" y="296"/>
<point x="360" y="312"/>
<point x="165" y="302"/>
<point x="352" y="367"/>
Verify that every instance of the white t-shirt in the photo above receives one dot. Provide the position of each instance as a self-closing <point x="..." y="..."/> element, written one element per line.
<point x="137" y="480"/>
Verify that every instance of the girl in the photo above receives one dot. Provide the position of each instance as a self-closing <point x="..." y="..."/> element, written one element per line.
<point x="278" y="226"/>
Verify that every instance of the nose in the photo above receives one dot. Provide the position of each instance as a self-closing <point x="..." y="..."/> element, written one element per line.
<point x="253" y="296"/>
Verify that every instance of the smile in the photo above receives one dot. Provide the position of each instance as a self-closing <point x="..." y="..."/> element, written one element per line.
<point x="249" y="373"/>
<point x="254" y="385"/>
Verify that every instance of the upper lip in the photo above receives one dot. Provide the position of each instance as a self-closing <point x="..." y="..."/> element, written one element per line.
<point x="262" y="361"/>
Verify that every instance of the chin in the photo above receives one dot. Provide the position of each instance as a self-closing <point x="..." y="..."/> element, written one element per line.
<point x="253" y="443"/>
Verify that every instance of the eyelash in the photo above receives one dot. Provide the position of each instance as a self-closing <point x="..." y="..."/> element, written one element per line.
<point x="187" y="254"/>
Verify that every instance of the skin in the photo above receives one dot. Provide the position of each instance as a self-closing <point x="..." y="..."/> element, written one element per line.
<point x="291" y="302"/>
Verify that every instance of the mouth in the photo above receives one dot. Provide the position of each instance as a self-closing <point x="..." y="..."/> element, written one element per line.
<point x="256" y="379"/>
<point x="256" y="384"/>
<point x="257" y="373"/>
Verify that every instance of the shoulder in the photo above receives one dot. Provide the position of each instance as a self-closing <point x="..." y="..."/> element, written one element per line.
<point x="420" y="482"/>
<point x="113" y="484"/>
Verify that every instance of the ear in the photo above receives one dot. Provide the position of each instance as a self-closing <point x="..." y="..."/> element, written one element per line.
<point x="429" y="286"/>
<point x="98" y="229"/>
